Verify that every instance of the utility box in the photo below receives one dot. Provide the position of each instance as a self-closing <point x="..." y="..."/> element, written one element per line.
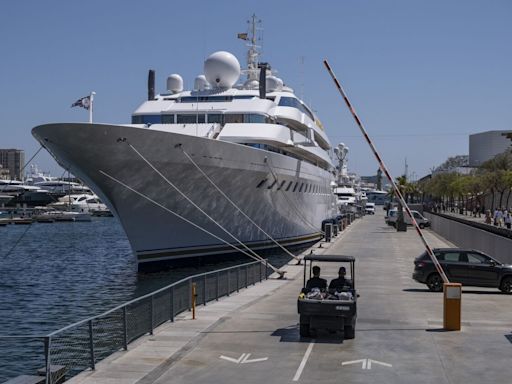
<point x="452" y="306"/>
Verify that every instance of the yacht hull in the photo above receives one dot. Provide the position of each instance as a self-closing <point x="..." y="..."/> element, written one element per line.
<point x="151" y="211"/>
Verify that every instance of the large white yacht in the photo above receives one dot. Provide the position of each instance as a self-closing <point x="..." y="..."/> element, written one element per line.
<point x="252" y="138"/>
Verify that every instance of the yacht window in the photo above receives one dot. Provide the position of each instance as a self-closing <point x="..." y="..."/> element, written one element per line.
<point x="295" y="103"/>
<point x="233" y="118"/>
<point x="203" y="99"/>
<point x="254" y="118"/>
<point x="261" y="183"/>
<point x="281" y="185"/>
<point x="215" y="118"/>
<point x="190" y="119"/>
<point x="146" y="119"/>
<point x="301" y="185"/>
<point x="82" y="198"/>
<point x="167" y="119"/>
<point x="271" y="98"/>
<point x="244" y="97"/>
<point x="295" y="187"/>
<point x="272" y="185"/>
<point x="289" y="186"/>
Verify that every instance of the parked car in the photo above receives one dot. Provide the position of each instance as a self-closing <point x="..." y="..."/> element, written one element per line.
<point x="370" y="208"/>
<point x="465" y="266"/>
<point x="420" y="219"/>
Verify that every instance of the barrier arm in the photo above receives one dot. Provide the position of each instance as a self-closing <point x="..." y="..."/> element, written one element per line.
<point x="388" y="175"/>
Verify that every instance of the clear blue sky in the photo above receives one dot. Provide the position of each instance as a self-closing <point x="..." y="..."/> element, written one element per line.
<point x="423" y="75"/>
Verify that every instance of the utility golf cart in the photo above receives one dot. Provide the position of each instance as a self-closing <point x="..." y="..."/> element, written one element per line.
<point x="329" y="309"/>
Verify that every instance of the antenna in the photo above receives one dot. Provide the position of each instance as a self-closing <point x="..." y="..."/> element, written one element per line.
<point x="301" y="75"/>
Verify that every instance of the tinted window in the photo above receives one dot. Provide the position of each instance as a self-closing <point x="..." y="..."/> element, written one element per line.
<point x="477" y="258"/>
<point x="167" y="119"/>
<point x="146" y="119"/>
<point x="234" y="118"/>
<point x="215" y="118"/>
<point x="452" y="257"/>
<point x="189" y="119"/>
<point x="253" y="118"/>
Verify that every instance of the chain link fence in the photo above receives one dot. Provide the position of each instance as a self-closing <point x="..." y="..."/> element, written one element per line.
<point x="68" y="351"/>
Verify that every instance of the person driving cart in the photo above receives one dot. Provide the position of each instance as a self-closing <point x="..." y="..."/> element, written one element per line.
<point x="340" y="283"/>
<point x="316" y="281"/>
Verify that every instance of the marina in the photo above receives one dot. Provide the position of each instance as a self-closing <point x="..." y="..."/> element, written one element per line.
<point x="254" y="335"/>
<point x="227" y="211"/>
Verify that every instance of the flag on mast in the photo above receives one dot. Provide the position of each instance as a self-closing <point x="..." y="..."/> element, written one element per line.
<point x="243" y="36"/>
<point x="84" y="102"/>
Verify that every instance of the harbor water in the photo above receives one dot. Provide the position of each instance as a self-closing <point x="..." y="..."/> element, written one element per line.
<point x="52" y="275"/>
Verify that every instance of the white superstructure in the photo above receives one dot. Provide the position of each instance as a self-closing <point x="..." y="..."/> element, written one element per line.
<point x="261" y="145"/>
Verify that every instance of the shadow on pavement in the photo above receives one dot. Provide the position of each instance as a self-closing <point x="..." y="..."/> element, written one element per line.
<point x="464" y="291"/>
<point x="290" y="334"/>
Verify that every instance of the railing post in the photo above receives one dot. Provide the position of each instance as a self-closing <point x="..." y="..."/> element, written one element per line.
<point x="91" y="346"/>
<point x="238" y="279"/>
<point x="47" y="345"/>
<point x="229" y="281"/>
<point x="172" y="304"/>
<point x="189" y="297"/>
<point x="266" y="269"/>
<point x="152" y="315"/>
<point x="125" y="329"/>
<point x="246" y="276"/>
<point x="204" y="290"/>
<point x="261" y="272"/>
<point x="218" y="287"/>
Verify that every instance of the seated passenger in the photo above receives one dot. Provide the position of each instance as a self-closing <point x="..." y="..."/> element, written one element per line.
<point x="316" y="281"/>
<point x="340" y="283"/>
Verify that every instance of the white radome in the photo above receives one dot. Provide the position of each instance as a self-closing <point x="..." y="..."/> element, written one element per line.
<point x="174" y="83"/>
<point x="252" y="84"/>
<point x="200" y="83"/>
<point x="274" y="84"/>
<point x="222" y="69"/>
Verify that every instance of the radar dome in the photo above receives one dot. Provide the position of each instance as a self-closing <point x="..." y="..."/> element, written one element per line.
<point x="222" y="69"/>
<point x="274" y="84"/>
<point x="200" y="83"/>
<point x="252" y="84"/>
<point x="174" y="83"/>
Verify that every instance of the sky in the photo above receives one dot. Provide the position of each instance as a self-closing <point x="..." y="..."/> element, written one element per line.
<point x="422" y="75"/>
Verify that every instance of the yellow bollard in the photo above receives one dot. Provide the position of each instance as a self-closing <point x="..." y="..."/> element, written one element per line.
<point x="194" y="296"/>
<point x="452" y="306"/>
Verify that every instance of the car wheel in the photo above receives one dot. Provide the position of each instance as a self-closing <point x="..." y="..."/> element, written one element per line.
<point x="435" y="283"/>
<point x="304" y="330"/>
<point x="506" y="285"/>
<point x="349" y="332"/>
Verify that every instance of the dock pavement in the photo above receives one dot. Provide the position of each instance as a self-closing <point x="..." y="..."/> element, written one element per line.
<point x="253" y="337"/>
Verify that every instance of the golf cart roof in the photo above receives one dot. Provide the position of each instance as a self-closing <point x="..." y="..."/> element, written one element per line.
<point x="338" y="258"/>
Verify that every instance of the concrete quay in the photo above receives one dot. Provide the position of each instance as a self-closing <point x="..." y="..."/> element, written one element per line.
<point x="253" y="337"/>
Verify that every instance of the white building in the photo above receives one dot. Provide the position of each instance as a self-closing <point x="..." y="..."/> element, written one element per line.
<point x="484" y="146"/>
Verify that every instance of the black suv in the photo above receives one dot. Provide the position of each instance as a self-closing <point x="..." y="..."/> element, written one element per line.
<point x="465" y="266"/>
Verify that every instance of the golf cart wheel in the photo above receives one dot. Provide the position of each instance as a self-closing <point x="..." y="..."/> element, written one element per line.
<point x="435" y="283"/>
<point x="506" y="285"/>
<point x="349" y="332"/>
<point x="422" y="226"/>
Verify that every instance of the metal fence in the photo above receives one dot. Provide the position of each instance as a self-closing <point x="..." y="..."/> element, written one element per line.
<point x="80" y="346"/>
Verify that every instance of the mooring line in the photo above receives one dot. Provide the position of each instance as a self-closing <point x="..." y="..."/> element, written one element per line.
<point x="236" y="206"/>
<point x="190" y="222"/>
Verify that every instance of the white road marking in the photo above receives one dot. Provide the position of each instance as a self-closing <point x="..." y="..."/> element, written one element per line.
<point x="303" y="362"/>
<point x="366" y="363"/>
<point x="243" y="359"/>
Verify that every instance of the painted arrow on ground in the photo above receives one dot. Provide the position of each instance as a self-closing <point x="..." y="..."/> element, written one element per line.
<point x="366" y="363"/>
<point x="243" y="359"/>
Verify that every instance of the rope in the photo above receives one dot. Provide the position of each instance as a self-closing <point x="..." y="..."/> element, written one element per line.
<point x="236" y="207"/>
<point x="189" y="222"/>
<point x="388" y="175"/>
